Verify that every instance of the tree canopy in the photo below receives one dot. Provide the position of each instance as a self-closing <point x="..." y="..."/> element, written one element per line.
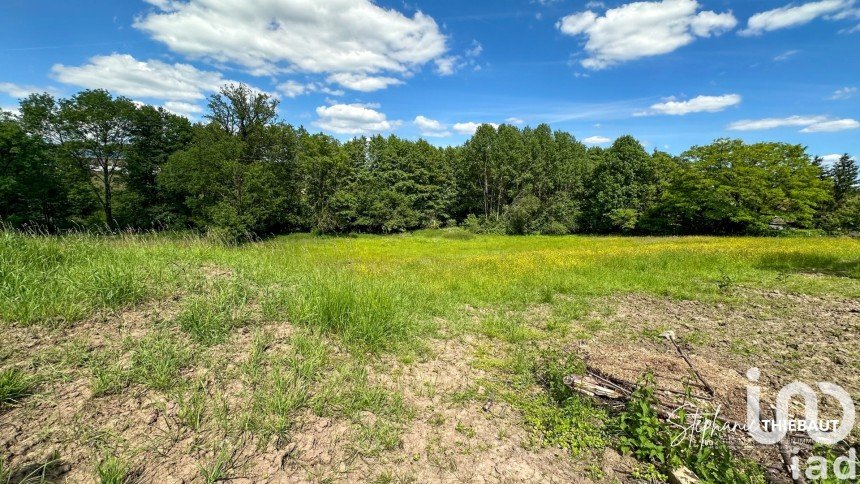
<point x="95" y="159"/>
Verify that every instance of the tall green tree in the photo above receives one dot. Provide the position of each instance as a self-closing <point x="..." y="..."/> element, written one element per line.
<point x="732" y="187"/>
<point x="93" y="129"/>
<point x="156" y="135"/>
<point x="844" y="174"/>
<point x="623" y="187"/>
<point x="32" y="188"/>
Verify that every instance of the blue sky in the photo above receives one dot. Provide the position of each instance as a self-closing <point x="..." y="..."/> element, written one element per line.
<point x="673" y="73"/>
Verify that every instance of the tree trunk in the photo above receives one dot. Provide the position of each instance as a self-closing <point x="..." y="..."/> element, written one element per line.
<point x="108" y="200"/>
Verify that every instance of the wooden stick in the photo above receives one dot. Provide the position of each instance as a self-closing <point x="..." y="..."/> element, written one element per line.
<point x="785" y="453"/>
<point x="671" y="337"/>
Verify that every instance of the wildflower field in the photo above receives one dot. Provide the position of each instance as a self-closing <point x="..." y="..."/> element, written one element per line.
<point x="434" y="356"/>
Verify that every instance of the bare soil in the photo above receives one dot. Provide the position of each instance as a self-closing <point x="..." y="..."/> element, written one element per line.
<point x="789" y="337"/>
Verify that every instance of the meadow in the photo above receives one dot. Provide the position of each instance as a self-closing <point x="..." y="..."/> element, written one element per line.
<point x="432" y="356"/>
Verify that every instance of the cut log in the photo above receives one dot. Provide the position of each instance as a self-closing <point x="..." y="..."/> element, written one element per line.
<point x="590" y="386"/>
<point x="682" y="475"/>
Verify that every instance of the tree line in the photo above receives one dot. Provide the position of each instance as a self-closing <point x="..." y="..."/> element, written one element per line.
<point x="95" y="160"/>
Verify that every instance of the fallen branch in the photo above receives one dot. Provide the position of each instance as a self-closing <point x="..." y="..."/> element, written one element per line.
<point x="785" y="453"/>
<point x="670" y="335"/>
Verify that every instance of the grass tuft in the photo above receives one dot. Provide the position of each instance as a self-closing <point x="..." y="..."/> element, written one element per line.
<point x="210" y="318"/>
<point x="113" y="470"/>
<point x="15" y="385"/>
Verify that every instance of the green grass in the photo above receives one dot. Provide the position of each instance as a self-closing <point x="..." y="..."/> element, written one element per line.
<point x="15" y="384"/>
<point x="348" y="306"/>
<point x="157" y="359"/>
<point x="113" y="470"/>
<point x="210" y="318"/>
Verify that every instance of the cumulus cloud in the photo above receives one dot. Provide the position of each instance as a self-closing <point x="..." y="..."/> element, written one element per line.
<point x="810" y="124"/>
<point x="189" y="110"/>
<point x="642" y="29"/>
<point x="795" y="15"/>
<point x="127" y="76"/>
<point x="469" y="128"/>
<point x="431" y="128"/>
<point x="476" y="50"/>
<point x="843" y="93"/>
<point x="596" y="140"/>
<point x="14" y="111"/>
<point x="354" y="119"/>
<point x="358" y="44"/>
<point x="699" y="104"/>
<point x="831" y="159"/>
<point x="516" y="121"/>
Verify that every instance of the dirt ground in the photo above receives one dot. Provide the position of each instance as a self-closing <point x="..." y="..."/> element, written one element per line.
<point x="789" y="337"/>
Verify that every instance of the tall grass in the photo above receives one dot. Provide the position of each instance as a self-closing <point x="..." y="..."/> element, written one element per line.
<point x="379" y="292"/>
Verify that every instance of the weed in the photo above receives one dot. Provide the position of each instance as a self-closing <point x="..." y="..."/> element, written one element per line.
<point x="508" y="329"/>
<point x="652" y="441"/>
<point x="370" y="314"/>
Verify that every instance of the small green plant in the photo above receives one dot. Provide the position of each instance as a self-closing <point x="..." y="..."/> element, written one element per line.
<point x="558" y="417"/>
<point x="725" y="282"/>
<point x="825" y="465"/>
<point x="113" y="470"/>
<point x="15" y="384"/>
<point x="643" y="434"/>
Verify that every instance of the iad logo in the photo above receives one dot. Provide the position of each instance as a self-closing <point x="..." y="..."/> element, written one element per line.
<point x="826" y="432"/>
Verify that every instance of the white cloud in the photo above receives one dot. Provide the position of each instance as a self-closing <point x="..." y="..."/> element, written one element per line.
<point x="699" y="104"/>
<point x="786" y="55"/>
<point x="596" y="140"/>
<point x="21" y="91"/>
<point x="475" y="50"/>
<point x="469" y="128"/>
<point x="127" y="76"/>
<point x="362" y="82"/>
<point x="293" y="89"/>
<point x="354" y="119"/>
<point x="357" y="42"/>
<point x="15" y="111"/>
<point x="516" y="121"/>
<point x="642" y="29"/>
<point x="831" y="159"/>
<point x="810" y="124"/>
<point x="772" y="123"/>
<point x="446" y="66"/>
<point x="832" y="126"/>
<point x="181" y="108"/>
<point x="794" y="15"/>
<point x="844" y="93"/>
<point x="431" y="128"/>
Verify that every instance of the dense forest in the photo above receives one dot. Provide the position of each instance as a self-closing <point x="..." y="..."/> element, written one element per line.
<point x="96" y="161"/>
